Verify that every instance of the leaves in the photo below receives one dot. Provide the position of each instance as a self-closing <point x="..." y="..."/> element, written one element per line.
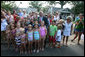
<point x="78" y="7"/>
<point x="9" y="7"/>
<point x="35" y="4"/>
<point x="62" y="3"/>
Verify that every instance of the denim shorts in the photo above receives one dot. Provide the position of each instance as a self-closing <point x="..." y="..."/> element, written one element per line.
<point x="77" y="30"/>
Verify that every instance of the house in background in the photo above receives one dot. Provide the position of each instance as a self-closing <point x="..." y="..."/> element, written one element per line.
<point x="62" y="12"/>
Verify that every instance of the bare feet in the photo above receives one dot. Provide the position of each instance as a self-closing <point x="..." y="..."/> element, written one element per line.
<point x="25" y="52"/>
<point x="66" y="45"/>
<point x="71" y="40"/>
<point x="78" y="43"/>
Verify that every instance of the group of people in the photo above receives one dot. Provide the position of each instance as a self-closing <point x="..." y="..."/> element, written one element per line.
<point x="28" y="32"/>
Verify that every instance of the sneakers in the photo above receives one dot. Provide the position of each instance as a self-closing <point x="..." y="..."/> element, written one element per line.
<point x="34" y="51"/>
<point x="71" y="40"/>
<point x="58" y="47"/>
<point x="42" y="49"/>
<point x="37" y="51"/>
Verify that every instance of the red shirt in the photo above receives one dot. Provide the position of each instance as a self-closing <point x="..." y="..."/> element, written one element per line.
<point x="14" y="15"/>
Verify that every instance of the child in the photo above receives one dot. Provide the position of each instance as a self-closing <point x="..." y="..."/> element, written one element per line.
<point x="52" y="30"/>
<point x="18" y="42"/>
<point x="23" y="41"/>
<point x="18" y="28"/>
<point x="79" y="29"/>
<point x="26" y="28"/>
<point x="13" y="31"/>
<point x="36" y="22"/>
<point x="30" y="37"/>
<point x="67" y="29"/>
<point x="36" y="37"/>
<point x="58" y="36"/>
<point x="22" y="22"/>
<point x="43" y="33"/>
<point x="8" y="34"/>
<point x="3" y="27"/>
<point x="27" y="21"/>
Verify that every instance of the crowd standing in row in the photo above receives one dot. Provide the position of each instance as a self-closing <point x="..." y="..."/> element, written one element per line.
<point x="28" y="33"/>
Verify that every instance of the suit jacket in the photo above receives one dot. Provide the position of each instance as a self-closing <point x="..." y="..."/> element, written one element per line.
<point x="45" y="20"/>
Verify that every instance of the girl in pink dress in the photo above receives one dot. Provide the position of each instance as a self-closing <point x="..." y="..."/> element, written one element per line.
<point x="43" y="33"/>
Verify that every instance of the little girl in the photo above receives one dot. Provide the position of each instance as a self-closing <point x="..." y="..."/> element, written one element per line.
<point x="58" y="36"/>
<point x="23" y="41"/>
<point x="13" y="31"/>
<point x="8" y="34"/>
<point x="67" y="29"/>
<point x="43" y="33"/>
<point x="36" y="37"/>
<point x="18" y="42"/>
<point x="30" y="37"/>
<point x="18" y="28"/>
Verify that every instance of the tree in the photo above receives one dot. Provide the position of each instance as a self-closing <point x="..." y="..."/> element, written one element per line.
<point x="78" y="7"/>
<point x="9" y="6"/>
<point x="62" y="3"/>
<point x="36" y="4"/>
<point x="45" y="9"/>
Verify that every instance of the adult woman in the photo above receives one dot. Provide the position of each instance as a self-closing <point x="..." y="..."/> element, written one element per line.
<point x="79" y="28"/>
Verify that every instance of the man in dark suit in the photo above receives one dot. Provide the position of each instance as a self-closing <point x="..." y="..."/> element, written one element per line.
<point x="43" y="18"/>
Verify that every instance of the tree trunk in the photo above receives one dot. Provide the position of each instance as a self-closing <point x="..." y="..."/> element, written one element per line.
<point x="61" y="6"/>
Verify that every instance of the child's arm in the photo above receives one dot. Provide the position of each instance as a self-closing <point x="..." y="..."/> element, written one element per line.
<point x="55" y="32"/>
<point x="46" y="30"/>
<point x="71" y="28"/>
<point x="39" y="33"/>
<point x="26" y="37"/>
<point x="33" y="36"/>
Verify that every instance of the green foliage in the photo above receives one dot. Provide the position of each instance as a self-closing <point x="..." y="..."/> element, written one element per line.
<point x="78" y="7"/>
<point x="36" y="4"/>
<point x="9" y="7"/>
<point x="62" y="3"/>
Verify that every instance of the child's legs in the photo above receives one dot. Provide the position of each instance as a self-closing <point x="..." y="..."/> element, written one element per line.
<point x="53" y="39"/>
<point x="13" y="42"/>
<point x="8" y="41"/>
<point x="24" y="45"/>
<point x="58" y="42"/>
<point x="38" y="44"/>
<point x="31" y="46"/>
<point x="35" y="45"/>
<point x="50" y="40"/>
<point x="21" y="48"/>
<point x="63" y="39"/>
<point x="28" y="45"/>
<point x="66" y="39"/>
<point x="79" y="36"/>
<point x="76" y="34"/>
<point x="43" y="42"/>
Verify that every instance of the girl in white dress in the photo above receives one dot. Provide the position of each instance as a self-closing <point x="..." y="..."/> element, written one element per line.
<point x="67" y="29"/>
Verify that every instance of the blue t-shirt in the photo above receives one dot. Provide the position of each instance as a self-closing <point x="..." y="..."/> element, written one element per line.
<point x="20" y="14"/>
